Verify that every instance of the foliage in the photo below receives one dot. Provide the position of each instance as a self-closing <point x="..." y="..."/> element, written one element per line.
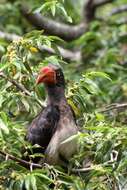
<point x="93" y="82"/>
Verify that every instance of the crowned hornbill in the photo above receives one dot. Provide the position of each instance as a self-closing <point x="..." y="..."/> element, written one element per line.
<point x="56" y="122"/>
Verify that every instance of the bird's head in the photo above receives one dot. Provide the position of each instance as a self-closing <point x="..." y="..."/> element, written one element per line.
<point x="51" y="75"/>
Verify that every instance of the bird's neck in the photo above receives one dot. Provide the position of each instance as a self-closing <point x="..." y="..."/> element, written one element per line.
<point x="56" y="94"/>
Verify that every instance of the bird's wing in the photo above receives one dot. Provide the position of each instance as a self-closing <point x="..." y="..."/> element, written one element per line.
<point x="42" y="128"/>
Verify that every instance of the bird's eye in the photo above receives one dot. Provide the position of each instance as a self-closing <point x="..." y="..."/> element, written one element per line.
<point x="58" y="74"/>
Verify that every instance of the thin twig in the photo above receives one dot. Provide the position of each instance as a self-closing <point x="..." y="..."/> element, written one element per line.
<point x="117" y="10"/>
<point x="82" y="169"/>
<point x="20" y="161"/>
<point x="24" y="163"/>
<point x="88" y="169"/>
<point x="114" y="106"/>
<point x="19" y="87"/>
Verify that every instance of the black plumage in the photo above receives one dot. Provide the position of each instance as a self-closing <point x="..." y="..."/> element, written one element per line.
<point x="43" y="126"/>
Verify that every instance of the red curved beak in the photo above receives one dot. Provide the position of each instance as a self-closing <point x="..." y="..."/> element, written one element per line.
<point x="46" y="77"/>
<point x="40" y="78"/>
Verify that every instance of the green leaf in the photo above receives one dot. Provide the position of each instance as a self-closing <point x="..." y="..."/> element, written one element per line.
<point x="60" y="6"/>
<point x="27" y="66"/>
<point x="26" y="104"/>
<point x="27" y="182"/>
<point x="53" y="9"/>
<point x="47" y="6"/>
<point x="80" y="100"/>
<point x="97" y="74"/>
<point x="43" y="176"/>
<point x="52" y="60"/>
<point x="33" y="182"/>
<point x="3" y="127"/>
<point x="4" y="117"/>
<point x="44" y="6"/>
<point x="2" y="49"/>
<point x="91" y="86"/>
<point x="100" y="117"/>
<point x="73" y="137"/>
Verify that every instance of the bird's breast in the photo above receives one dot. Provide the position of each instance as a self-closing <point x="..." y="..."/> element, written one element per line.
<point x="66" y="129"/>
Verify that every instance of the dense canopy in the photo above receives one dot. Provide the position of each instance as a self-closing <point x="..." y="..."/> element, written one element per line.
<point x="88" y="40"/>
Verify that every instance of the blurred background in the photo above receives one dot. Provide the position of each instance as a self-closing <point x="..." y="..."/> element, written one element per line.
<point x="88" y="39"/>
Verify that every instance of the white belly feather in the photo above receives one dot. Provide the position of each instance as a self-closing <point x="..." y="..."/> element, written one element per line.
<point x="57" y="146"/>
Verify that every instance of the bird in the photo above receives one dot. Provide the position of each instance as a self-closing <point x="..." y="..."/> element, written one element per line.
<point x="56" y="123"/>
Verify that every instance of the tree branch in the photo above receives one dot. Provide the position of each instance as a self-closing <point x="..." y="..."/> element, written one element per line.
<point x="82" y="169"/>
<point x="19" y="87"/>
<point x="65" y="53"/>
<point x="118" y="10"/>
<point x="23" y="163"/>
<point x="64" y="31"/>
<point x="30" y="165"/>
<point x="91" y="6"/>
<point x="113" y="155"/>
<point x="114" y="106"/>
<point x="8" y="36"/>
<point x="98" y="3"/>
<point x="26" y="164"/>
<point x="89" y="11"/>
